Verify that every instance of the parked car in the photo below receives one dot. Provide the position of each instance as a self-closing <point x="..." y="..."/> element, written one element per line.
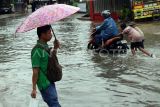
<point x="5" y="9"/>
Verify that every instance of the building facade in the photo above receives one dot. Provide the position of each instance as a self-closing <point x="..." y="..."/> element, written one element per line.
<point x="134" y="9"/>
<point x="146" y="8"/>
<point x="115" y="7"/>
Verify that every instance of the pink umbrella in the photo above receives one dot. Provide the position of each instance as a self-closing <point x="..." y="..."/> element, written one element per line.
<point x="46" y="15"/>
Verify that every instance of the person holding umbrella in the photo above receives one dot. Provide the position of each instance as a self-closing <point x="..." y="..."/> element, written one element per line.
<point x="42" y="19"/>
<point x="39" y="59"/>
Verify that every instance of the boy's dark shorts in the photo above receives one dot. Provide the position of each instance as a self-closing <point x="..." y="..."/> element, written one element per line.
<point x="137" y="44"/>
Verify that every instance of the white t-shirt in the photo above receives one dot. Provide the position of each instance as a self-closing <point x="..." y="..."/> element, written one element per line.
<point x="134" y="34"/>
<point x="139" y="30"/>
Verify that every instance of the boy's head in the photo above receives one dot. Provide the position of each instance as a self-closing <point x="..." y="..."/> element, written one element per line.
<point x="123" y="26"/>
<point x="44" y="32"/>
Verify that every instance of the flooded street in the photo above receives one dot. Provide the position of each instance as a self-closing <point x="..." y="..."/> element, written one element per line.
<point x="89" y="80"/>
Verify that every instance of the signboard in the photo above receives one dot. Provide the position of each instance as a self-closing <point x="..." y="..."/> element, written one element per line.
<point x="137" y="4"/>
<point x="146" y="10"/>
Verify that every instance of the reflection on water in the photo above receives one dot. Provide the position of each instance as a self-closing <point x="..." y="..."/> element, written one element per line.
<point x="89" y="80"/>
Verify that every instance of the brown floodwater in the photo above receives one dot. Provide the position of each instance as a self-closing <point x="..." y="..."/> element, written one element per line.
<point x="89" y="80"/>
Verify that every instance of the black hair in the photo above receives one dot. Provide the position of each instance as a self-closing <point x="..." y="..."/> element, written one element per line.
<point x="123" y="26"/>
<point x="43" y="29"/>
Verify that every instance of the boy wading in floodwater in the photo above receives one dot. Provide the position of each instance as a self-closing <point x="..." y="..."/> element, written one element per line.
<point x="39" y="59"/>
<point x="136" y="36"/>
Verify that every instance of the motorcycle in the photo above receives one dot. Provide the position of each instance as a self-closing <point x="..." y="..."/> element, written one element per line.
<point x="113" y="45"/>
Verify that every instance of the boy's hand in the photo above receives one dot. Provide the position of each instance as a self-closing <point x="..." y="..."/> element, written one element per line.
<point x="56" y="44"/>
<point x="33" y="94"/>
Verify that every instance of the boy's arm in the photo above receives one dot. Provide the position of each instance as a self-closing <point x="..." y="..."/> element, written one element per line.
<point x="125" y="31"/>
<point x="35" y="59"/>
<point x="34" y="81"/>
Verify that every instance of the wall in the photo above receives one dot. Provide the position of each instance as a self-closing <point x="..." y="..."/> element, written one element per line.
<point x="115" y="7"/>
<point x="112" y="5"/>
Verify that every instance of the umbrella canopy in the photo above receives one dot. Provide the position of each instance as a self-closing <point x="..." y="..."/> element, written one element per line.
<point x="46" y="15"/>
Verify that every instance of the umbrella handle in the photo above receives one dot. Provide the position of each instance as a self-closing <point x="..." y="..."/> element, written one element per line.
<point x="53" y="34"/>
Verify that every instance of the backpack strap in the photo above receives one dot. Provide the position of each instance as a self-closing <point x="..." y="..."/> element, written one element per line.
<point x="41" y="47"/>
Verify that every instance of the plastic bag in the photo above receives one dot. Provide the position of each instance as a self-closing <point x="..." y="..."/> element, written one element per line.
<point x="33" y="102"/>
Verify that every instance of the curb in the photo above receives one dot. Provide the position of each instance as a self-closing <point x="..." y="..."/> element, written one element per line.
<point x="10" y="15"/>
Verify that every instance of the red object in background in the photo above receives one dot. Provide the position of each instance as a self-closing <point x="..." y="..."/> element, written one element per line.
<point x="97" y="16"/>
<point x="115" y="16"/>
<point x="91" y="9"/>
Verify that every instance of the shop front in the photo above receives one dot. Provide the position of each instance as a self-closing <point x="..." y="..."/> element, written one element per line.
<point x="146" y="8"/>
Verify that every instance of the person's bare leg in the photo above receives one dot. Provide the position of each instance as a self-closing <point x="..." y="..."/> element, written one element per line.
<point x="135" y="49"/>
<point x="133" y="52"/>
<point x="144" y="51"/>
